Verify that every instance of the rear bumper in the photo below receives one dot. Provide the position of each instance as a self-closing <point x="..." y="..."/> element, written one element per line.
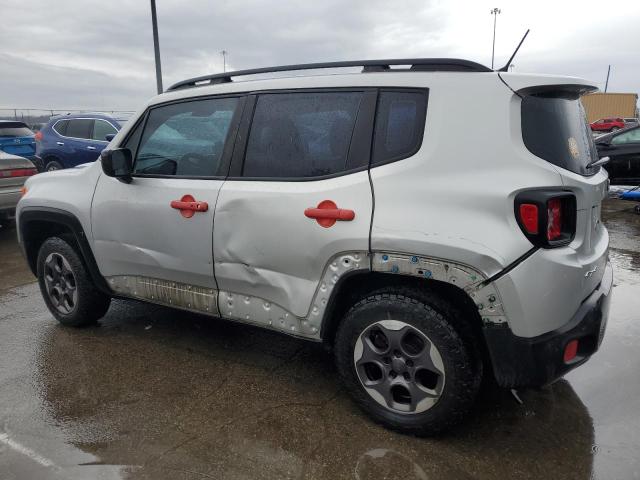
<point x="8" y="200"/>
<point x="528" y="362"/>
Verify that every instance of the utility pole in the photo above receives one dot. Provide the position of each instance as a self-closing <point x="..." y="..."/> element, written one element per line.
<point x="156" y="46"/>
<point x="495" y="13"/>
<point x="606" y="85"/>
<point x="224" y="54"/>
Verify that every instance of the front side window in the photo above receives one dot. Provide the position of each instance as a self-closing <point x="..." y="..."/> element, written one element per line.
<point x="399" y="125"/>
<point x="101" y="129"/>
<point x="185" y="139"/>
<point x="80" y="128"/>
<point x="305" y="134"/>
<point x="632" y="136"/>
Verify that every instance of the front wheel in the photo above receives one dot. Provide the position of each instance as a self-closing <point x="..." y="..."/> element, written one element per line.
<point x="406" y="364"/>
<point x="67" y="287"/>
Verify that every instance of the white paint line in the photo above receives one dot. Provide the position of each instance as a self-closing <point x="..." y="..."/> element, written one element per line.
<point x="45" y="462"/>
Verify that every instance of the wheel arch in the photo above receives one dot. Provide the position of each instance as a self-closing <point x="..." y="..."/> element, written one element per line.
<point x="36" y="224"/>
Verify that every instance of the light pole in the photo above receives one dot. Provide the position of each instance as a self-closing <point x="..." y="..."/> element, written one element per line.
<point x="224" y="60"/>
<point x="156" y="46"/>
<point x="495" y="13"/>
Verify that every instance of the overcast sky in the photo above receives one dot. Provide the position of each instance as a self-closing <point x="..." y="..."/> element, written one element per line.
<point x="99" y="54"/>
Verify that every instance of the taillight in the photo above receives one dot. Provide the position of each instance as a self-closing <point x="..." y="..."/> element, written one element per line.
<point x="38" y="136"/>
<point x="19" y="172"/>
<point x="554" y="219"/>
<point x="547" y="218"/>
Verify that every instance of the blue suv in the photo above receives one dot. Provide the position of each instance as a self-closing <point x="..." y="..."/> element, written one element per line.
<point x="17" y="139"/>
<point x="70" y="140"/>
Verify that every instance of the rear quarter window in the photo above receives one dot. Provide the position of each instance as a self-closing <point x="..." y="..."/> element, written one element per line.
<point x="555" y="129"/>
<point x="399" y="126"/>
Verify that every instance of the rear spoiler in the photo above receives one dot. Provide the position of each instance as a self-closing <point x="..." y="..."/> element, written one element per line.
<point x="568" y="91"/>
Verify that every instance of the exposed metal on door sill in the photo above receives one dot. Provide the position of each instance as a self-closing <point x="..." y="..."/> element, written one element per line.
<point x="164" y="292"/>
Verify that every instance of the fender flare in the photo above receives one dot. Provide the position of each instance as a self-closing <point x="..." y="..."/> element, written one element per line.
<point x="55" y="216"/>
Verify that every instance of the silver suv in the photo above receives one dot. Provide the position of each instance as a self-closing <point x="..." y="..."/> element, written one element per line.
<point x="351" y="209"/>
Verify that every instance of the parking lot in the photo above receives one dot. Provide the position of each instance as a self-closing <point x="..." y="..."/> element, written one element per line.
<point x="157" y="393"/>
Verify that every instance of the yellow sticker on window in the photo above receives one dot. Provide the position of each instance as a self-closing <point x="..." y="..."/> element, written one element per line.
<point x="573" y="147"/>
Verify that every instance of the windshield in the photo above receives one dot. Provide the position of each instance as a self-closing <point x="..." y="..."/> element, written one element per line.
<point x="555" y="129"/>
<point x="14" y="129"/>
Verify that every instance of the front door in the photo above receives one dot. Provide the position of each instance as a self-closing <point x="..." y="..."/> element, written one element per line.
<point x="299" y="201"/>
<point x="624" y="153"/>
<point x="152" y="237"/>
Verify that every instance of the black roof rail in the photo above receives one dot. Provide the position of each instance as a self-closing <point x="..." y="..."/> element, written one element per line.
<point x="416" y="64"/>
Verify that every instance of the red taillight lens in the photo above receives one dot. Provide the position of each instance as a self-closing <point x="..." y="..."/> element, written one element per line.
<point x="21" y="172"/>
<point x="570" y="351"/>
<point x="38" y="136"/>
<point x="529" y="217"/>
<point x="554" y="219"/>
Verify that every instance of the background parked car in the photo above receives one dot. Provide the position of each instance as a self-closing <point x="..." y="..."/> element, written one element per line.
<point x="623" y="148"/>
<point x="70" y="140"/>
<point x="14" y="171"/>
<point x="17" y="139"/>
<point x="608" y="125"/>
<point x="630" y="122"/>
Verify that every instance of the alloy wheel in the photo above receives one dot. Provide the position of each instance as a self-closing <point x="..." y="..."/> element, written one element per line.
<point x="60" y="283"/>
<point x="399" y="366"/>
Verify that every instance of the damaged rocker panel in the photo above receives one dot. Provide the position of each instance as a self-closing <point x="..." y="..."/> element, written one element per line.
<point x="261" y="312"/>
<point x="165" y="292"/>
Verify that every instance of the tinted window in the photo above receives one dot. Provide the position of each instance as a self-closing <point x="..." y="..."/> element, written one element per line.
<point x="61" y="127"/>
<point x="101" y="129"/>
<point x="556" y="130"/>
<point x="631" y="136"/>
<point x="80" y="128"/>
<point x="14" y="129"/>
<point x="301" y="134"/>
<point x="185" y="138"/>
<point x="399" y="125"/>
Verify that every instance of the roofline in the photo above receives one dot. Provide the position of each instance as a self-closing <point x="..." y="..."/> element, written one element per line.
<point x="416" y="64"/>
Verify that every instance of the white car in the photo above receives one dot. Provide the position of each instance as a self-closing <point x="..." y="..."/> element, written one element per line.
<point x="351" y="209"/>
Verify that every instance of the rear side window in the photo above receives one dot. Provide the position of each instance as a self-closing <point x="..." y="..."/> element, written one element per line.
<point x="297" y="135"/>
<point x="399" y="125"/>
<point x="60" y="127"/>
<point x="555" y="129"/>
<point x="14" y="129"/>
<point x="185" y="139"/>
<point x="80" y="128"/>
<point x="101" y="129"/>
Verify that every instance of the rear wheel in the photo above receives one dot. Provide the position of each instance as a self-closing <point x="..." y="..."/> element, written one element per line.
<point x="406" y="364"/>
<point x="66" y="285"/>
<point x="53" y="165"/>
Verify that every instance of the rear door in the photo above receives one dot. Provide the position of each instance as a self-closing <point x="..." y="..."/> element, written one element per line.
<point x="306" y="154"/>
<point x="153" y="236"/>
<point x="77" y="141"/>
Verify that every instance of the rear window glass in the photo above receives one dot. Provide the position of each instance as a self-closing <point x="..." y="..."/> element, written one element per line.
<point x="14" y="129"/>
<point x="556" y="130"/>
<point x="399" y="125"/>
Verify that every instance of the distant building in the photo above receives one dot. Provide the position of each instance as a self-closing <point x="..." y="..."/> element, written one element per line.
<point x="603" y="105"/>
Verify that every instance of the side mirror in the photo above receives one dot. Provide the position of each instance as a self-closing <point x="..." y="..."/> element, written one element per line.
<point x="109" y="137"/>
<point x="117" y="163"/>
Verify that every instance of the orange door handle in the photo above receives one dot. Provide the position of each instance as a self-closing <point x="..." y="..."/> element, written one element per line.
<point x="188" y="206"/>
<point x="327" y="213"/>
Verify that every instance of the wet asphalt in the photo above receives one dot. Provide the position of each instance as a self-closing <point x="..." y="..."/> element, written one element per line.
<point x="153" y="393"/>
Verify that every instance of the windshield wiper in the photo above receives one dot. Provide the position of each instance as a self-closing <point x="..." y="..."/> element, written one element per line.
<point x="599" y="163"/>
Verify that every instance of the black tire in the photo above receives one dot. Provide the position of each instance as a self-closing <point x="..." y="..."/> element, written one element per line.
<point x="435" y="319"/>
<point x="615" y="129"/>
<point x="69" y="292"/>
<point x="53" y="165"/>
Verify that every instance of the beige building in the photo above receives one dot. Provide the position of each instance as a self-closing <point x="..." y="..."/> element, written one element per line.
<point x="602" y="105"/>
